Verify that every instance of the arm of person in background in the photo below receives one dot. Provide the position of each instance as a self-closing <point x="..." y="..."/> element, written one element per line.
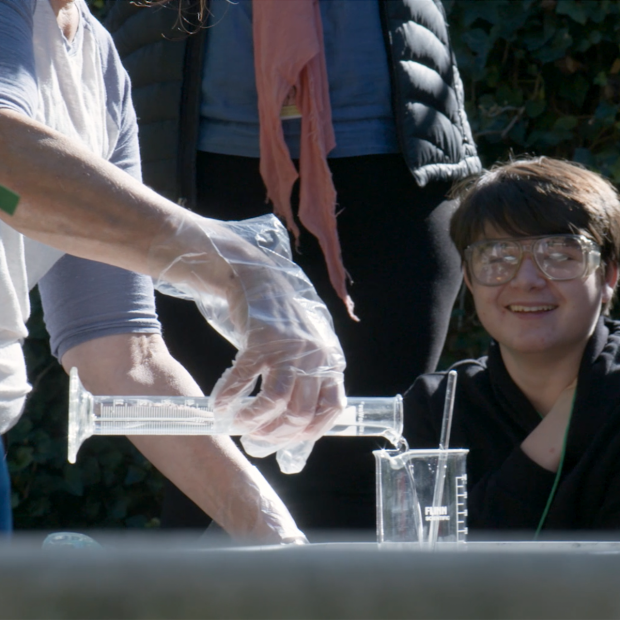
<point x="210" y="470"/>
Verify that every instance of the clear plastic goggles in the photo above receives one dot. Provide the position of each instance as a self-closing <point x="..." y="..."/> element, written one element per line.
<point x="493" y="262"/>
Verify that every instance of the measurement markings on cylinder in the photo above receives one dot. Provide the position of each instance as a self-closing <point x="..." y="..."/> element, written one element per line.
<point x="159" y="418"/>
<point x="461" y="502"/>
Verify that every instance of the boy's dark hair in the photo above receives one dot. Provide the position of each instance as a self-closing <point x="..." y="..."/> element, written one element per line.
<point x="538" y="196"/>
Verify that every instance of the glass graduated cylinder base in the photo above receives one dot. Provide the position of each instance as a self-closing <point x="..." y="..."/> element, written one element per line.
<point x="179" y="415"/>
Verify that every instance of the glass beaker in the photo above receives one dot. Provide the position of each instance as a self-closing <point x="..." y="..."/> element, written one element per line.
<point x="421" y="496"/>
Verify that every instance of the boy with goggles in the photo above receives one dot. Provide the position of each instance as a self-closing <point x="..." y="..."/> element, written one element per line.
<point x="540" y="242"/>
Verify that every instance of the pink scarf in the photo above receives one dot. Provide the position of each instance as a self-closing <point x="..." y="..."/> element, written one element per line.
<point x="288" y="53"/>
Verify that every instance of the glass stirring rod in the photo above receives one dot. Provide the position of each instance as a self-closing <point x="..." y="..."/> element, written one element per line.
<point x="180" y="415"/>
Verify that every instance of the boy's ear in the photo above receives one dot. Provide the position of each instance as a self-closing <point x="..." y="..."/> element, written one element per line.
<point x="609" y="281"/>
<point x="466" y="278"/>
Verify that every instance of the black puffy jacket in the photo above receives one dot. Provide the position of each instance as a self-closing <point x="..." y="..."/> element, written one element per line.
<point x="165" y="69"/>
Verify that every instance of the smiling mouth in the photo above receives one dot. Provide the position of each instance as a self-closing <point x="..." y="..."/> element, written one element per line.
<point x="541" y="308"/>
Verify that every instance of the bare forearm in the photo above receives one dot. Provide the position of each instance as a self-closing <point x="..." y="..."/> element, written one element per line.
<point x="210" y="470"/>
<point x="81" y="204"/>
<point x="74" y="200"/>
<point x="220" y="480"/>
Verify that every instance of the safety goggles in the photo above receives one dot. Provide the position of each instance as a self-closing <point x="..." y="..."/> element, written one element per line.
<point x="492" y="262"/>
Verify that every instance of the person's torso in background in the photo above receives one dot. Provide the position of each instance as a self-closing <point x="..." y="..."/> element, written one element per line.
<point x="357" y="68"/>
<point x="71" y="100"/>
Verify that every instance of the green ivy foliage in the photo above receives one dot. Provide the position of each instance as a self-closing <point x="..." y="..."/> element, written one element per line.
<point x="540" y="76"/>
<point x="98" y="7"/>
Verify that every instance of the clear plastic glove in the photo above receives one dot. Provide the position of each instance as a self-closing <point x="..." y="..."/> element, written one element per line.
<point x="265" y="305"/>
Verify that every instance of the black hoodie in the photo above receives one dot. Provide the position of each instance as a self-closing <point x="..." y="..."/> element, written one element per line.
<point x="492" y="417"/>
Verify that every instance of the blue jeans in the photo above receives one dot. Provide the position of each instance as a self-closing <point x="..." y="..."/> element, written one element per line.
<point x="6" y="520"/>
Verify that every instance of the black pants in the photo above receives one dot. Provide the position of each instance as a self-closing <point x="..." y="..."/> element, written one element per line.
<point x="406" y="274"/>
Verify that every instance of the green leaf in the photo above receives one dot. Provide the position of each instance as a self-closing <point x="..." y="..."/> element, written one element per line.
<point x="600" y="79"/>
<point x="512" y="18"/>
<point x="615" y="170"/>
<point x="137" y="521"/>
<point x="118" y="508"/>
<point x="91" y="508"/>
<point x="487" y="10"/>
<point x="39" y="506"/>
<point x="478" y="42"/>
<point x="595" y="37"/>
<point x="538" y="37"/>
<point x="565" y="123"/>
<point x="91" y="472"/>
<point x="535" y="108"/>
<point x="507" y="95"/>
<point x="606" y="112"/>
<point x="574" y="89"/>
<point x="134" y="475"/>
<point x="74" y="483"/>
<point x="20" y="458"/>
<point x="557" y="48"/>
<point x="20" y="432"/>
<point x="543" y="139"/>
<point x="583" y="156"/>
<point x="575" y="10"/>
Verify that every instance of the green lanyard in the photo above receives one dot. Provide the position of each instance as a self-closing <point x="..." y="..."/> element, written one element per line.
<point x="8" y="200"/>
<point x="559" y="472"/>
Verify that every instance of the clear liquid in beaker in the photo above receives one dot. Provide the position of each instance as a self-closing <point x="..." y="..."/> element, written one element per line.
<point x="408" y="507"/>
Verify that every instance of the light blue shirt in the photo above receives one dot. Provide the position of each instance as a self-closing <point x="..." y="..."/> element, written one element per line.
<point x="357" y="68"/>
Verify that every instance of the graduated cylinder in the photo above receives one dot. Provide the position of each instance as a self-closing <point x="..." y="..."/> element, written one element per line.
<point x="179" y="415"/>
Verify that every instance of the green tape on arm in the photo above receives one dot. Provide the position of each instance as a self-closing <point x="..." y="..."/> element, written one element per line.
<point x="8" y="200"/>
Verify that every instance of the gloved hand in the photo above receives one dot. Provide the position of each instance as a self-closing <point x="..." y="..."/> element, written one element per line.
<point x="264" y="304"/>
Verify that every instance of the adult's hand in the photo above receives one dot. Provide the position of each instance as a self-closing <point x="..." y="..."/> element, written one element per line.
<point x="270" y="311"/>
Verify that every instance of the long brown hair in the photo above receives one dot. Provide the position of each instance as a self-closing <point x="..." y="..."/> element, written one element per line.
<point x="192" y="13"/>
